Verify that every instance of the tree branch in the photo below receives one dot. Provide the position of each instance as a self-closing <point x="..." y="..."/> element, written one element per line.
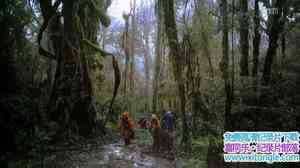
<point x="117" y="74"/>
<point x="94" y="46"/>
<point x="45" y="53"/>
<point x="48" y="12"/>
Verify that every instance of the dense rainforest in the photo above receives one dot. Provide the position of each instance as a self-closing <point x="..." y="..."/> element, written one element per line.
<point x="71" y="69"/>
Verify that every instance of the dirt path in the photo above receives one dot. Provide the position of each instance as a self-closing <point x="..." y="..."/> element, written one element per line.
<point x="116" y="155"/>
<point x="112" y="155"/>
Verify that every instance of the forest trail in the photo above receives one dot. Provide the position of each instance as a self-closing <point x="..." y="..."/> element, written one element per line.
<point x="111" y="155"/>
<point x="119" y="156"/>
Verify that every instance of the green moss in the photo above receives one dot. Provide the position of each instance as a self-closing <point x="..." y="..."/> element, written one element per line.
<point x="98" y="8"/>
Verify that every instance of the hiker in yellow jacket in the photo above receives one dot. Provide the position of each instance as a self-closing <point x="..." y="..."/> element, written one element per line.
<point x="155" y="130"/>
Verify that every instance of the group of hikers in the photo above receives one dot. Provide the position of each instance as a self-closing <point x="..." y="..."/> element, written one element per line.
<point x="162" y="128"/>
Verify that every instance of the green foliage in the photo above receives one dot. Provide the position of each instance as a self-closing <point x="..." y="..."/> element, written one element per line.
<point x="92" y="13"/>
<point x="196" y="157"/>
<point x="293" y="45"/>
<point x="21" y="164"/>
<point x="14" y="13"/>
<point x="31" y="140"/>
<point x="99" y="9"/>
<point x="202" y="27"/>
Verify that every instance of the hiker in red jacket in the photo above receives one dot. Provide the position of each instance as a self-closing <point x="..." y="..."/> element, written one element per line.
<point x="142" y="123"/>
<point x="125" y="127"/>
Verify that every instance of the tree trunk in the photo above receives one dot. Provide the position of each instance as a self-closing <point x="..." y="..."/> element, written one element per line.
<point x="177" y="62"/>
<point x="131" y="104"/>
<point x="147" y="68"/>
<point x="205" y="36"/>
<point x="244" y="41"/>
<point x="283" y="47"/>
<point x="158" y="58"/>
<point x="77" y="88"/>
<point x="256" y="39"/>
<point x="132" y="50"/>
<point x="72" y="94"/>
<point x="283" y="37"/>
<point x="274" y="29"/>
<point x="54" y="26"/>
<point x="126" y="42"/>
<point x="8" y="82"/>
<point x="224" y="65"/>
<point x="7" y="65"/>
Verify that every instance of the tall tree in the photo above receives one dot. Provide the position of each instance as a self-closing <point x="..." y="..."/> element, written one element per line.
<point x="201" y="14"/>
<point x="71" y="101"/>
<point x="158" y="53"/>
<point x="125" y="46"/>
<point x="256" y="39"/>
<point x="131" y="64"/>
<point x="14" y="16"/>
<point x="224" y="64"/>
<point x="200" y="31"/>
<point x="275" y="27"/>
<point x="146" y="49"/>
<point x="132" y="48"/>
<point x="177" y="62"/>
<point x="283" y="34"/>
<point x="244" y="34"/>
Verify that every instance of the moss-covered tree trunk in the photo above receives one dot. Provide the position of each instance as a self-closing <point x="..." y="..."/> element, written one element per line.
<point x="244" y="37"/>
<point x="158" y="57"/>
<point x="224" y="64"/>
<point x="275" y="27"/>
<point x="126" y="48"/>
<point x="7" y="63"/>
<point x="8" y="80"/>
<point x="71" y="103"/>
<point x="177" y="59"/>
<point x="256" y="39"/>
<point x="132" y="63"/>
<point x="147" y="57"/>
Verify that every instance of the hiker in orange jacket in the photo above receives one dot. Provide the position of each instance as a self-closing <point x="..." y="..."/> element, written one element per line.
<point x="125" y="127"/>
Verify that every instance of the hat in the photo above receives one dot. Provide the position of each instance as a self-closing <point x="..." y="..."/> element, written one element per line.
<point x="154" y="116"/>
<point x="125" y="114"/>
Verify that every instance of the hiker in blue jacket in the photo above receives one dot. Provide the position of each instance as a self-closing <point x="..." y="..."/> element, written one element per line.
<point x="168" y="121"/>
